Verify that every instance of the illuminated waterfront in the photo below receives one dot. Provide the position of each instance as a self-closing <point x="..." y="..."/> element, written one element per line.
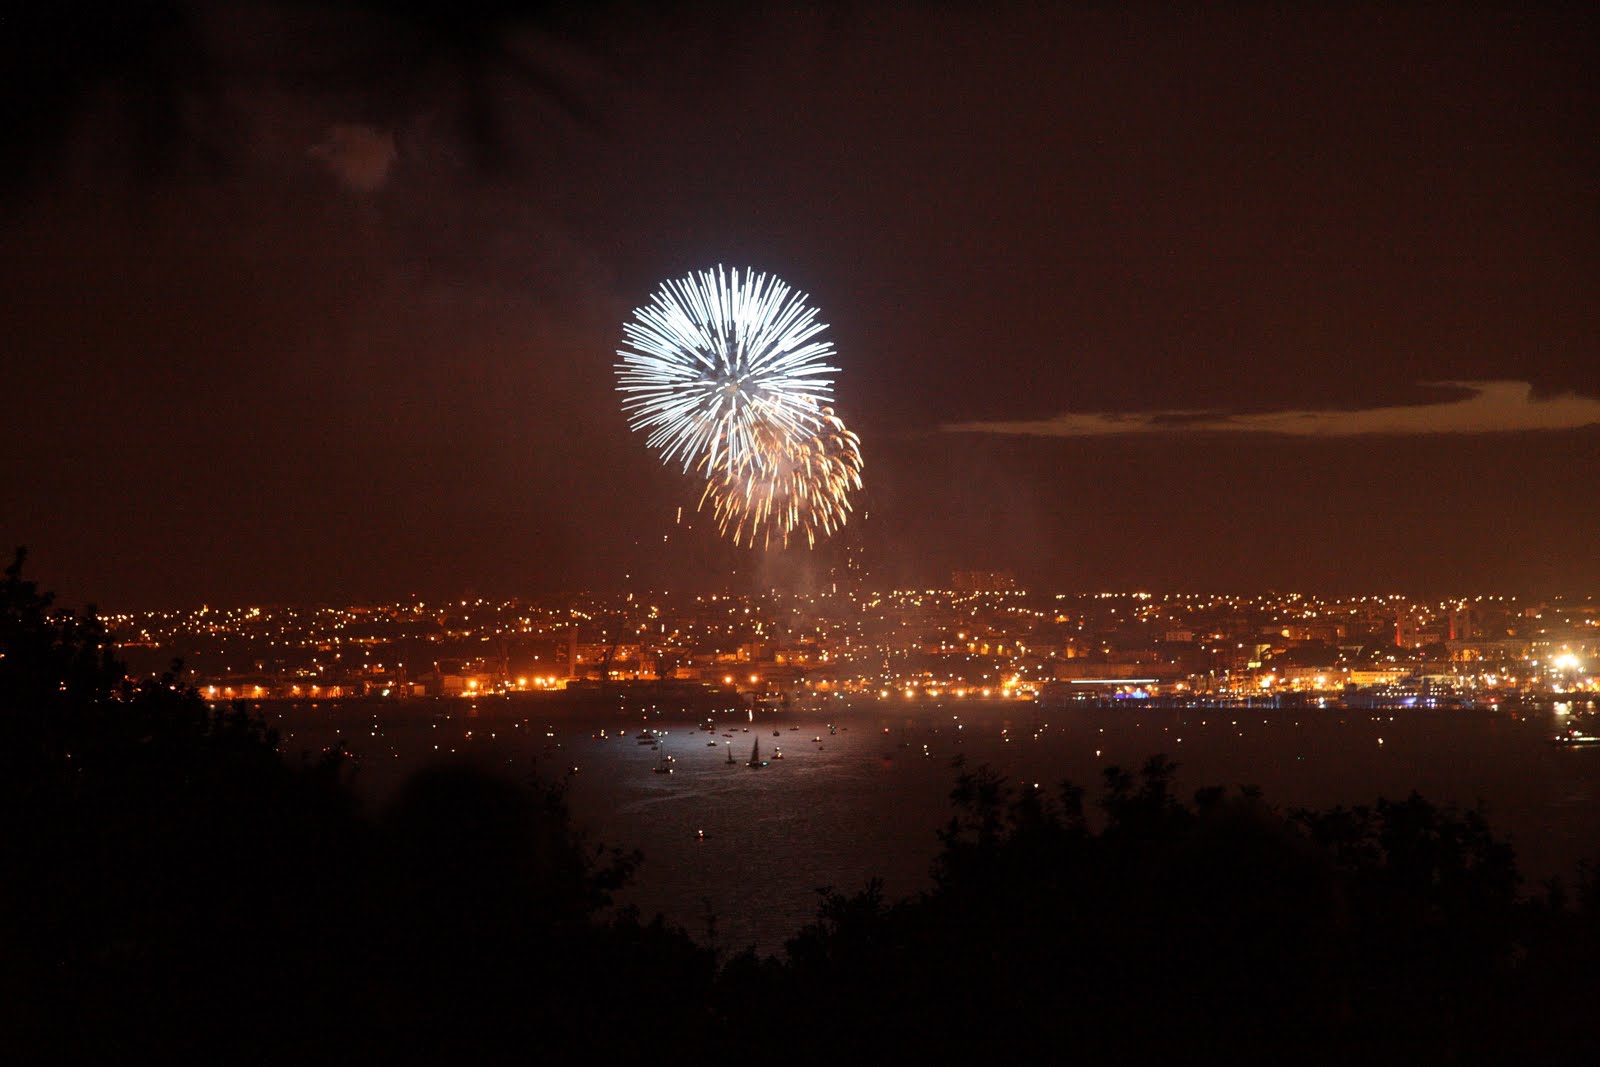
<point x="958" y="642"/>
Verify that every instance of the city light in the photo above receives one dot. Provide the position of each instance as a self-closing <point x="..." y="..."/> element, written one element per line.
<point x="914" y="645"/>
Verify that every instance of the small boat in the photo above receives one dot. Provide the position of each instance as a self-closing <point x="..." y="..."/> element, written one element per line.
<point x="777" y="733"/>
<point x="711" y="744"/>
<point x="1574" y="737"/>
<point x="777" y="753"/>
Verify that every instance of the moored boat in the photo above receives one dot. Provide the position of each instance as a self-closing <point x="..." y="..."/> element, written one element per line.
<point x="1573" y="737"/>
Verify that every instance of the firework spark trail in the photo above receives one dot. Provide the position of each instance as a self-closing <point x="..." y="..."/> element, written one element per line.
<point x="803" y="487"/>
<point x="727" y="375"/>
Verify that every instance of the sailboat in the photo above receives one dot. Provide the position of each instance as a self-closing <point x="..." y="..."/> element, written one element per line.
<point x="755" y="755"/>
<point x="664" y="765"/>
<point x="730" y="754"/>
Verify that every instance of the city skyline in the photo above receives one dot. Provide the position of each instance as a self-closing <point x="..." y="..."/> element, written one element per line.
<point x="1125" y="299"/>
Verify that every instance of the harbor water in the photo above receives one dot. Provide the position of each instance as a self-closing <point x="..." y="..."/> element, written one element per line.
<point x="851" y="790"/>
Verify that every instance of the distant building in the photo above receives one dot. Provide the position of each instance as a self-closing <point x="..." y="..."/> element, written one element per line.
<point x="983" y="581"/>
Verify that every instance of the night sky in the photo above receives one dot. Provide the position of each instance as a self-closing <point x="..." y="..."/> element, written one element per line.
<point x="320" y="302"/>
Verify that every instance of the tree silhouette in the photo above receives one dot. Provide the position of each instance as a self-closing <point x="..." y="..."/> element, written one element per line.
<point x="175" y="888"/>
<point x="160" y="63"/>
<point x="1218" y="927"/>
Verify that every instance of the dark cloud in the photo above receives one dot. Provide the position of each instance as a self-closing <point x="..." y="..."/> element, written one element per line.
<point x="1483" y="407"/>
<point x="358" y="155"/>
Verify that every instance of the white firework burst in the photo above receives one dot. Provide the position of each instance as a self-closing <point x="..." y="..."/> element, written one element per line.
<point x="715" y="365"/>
